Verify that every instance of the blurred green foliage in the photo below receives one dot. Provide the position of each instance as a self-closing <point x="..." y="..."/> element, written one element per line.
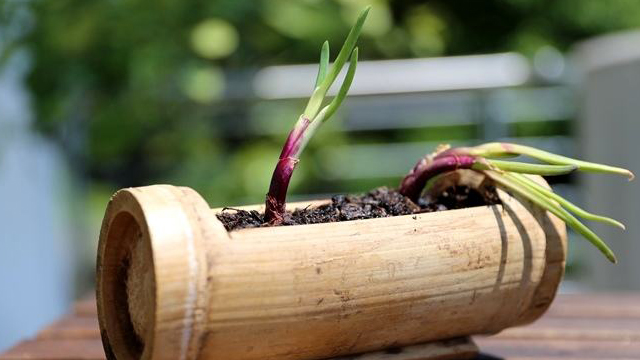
<point x="141" y="91"/>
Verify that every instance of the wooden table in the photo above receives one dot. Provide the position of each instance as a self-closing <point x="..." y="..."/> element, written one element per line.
<point x="602" y="327"/>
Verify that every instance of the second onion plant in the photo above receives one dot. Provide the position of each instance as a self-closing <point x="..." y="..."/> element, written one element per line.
<point x="513" y="176"/>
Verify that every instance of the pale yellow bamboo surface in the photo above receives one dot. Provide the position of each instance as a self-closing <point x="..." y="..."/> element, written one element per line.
<point x="315" y="291"/>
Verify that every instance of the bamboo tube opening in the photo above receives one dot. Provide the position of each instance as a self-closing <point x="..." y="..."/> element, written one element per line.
<point x="140" y="285"/>
<point x="152" y="273"/>
<point x="129" y="289"/>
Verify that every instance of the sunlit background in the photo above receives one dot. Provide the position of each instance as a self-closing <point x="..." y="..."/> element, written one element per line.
<point x="99" y="95"/>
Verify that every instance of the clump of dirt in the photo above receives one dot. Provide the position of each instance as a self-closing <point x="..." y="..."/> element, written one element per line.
<point x="380" y="202"/>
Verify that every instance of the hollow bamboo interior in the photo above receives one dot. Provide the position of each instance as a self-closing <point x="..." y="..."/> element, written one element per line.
<point x="174" y="284"/>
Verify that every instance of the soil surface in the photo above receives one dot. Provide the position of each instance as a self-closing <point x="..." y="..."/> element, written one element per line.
<point x="380" y="202"/>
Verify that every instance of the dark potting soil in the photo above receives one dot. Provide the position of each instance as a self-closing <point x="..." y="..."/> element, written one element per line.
<point x="380" y="202"/>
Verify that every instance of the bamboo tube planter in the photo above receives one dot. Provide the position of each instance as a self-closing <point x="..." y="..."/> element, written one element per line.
<point x="172" y="283"/>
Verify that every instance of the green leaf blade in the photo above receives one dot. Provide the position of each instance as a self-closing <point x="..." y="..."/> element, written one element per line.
<point x="500" y="150"/>
<point x="552" y="158"/>
<point x="536" y="169"/>
<point x="514" y="185"/>
<point x="344" y="88"/>
<point x="566" y="203"/>
<point x="324" y="64"/>
<point x="346" y="49"/>
<point x="321" y="90"/>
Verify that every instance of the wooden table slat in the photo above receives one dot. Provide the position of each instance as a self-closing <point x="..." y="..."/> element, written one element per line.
<point x="596" y="305"/>
<point x="560" y="349"/>
<point x="72" y="327"/>
<point x="86" y="307"/>
<point x="56" y="349"/>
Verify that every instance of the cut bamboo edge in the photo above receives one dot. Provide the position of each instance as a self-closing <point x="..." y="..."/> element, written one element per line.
<point x="172" y="283"/>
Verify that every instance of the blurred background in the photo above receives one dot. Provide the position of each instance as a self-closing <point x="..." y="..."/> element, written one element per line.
<point x="99" y="95"/>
